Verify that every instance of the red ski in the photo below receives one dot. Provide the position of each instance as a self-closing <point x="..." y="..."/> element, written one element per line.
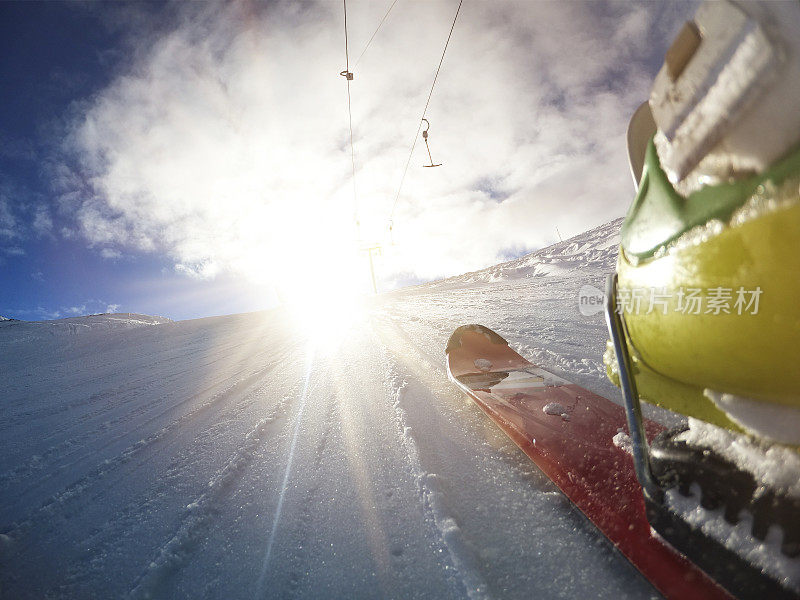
<point x="568" y="432"/>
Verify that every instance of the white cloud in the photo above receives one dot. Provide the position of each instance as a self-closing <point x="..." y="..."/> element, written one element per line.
<point x="44" y="313"/>
<point x="8" y="223"/>
<point x="19" y="219"/>
<point x="226" y="144"/>
<point x="110" y="253"/>
<point x="42" y="222"/>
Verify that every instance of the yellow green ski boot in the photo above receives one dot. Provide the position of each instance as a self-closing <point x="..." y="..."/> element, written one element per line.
<point x="704" y="309"/>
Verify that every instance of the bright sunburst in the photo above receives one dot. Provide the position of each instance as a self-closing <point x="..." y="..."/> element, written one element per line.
<point x="325" y="292"/>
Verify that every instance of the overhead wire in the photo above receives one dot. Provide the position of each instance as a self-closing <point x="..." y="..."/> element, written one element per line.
<point x="424" y="112"/>
<point x="348" y="77"/>
<point x="358" y="60"/>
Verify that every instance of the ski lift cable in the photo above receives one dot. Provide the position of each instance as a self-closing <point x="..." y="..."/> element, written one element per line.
<point x="358" y="60"/>
<point x="425" y="110"/>
<point x="348" y="78"/>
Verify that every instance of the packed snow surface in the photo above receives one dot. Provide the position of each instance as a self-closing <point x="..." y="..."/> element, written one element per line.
<point x="623" y="441"/>
<point x="738" y="537"/>
<point x="554" y="408"/>
<point x="250" y="456"/>
<point x="773" y="465"/>
<point x="766" y="421"/>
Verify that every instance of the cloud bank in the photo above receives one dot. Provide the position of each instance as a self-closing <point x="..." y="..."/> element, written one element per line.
<point x="224" y="142"/>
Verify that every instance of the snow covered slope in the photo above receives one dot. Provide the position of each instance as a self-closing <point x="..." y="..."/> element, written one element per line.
<point x="532" y="301"/>
<point x="13" y="329"/>
<point x="251" y="457"/>
<point x="589" y="253"/>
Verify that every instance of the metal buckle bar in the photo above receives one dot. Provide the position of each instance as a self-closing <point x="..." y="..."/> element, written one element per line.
<point x="633" y="408"/>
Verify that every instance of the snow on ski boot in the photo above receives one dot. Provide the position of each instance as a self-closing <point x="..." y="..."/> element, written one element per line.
<point x="704" y="310"/>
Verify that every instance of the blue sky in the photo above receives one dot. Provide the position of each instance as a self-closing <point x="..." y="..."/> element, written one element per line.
<point x="189" y="159"/>
<point x="54" y="56"/>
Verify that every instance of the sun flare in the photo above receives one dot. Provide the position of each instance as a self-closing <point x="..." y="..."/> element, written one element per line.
<point x="326" y="323"/>
<point x="327" y="300"/>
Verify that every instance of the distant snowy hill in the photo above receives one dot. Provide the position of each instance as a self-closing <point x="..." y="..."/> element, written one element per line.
<point x="253" y="456"/>
<point x="587" y="253"/>
<point x="13" y="330"/>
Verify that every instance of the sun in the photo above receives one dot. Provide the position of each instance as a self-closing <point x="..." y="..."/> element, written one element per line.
<point x="310" y="254"/>
<point x="327" y="315"/>
<point x="325" y="295"/>
<point x="327" y="324"/>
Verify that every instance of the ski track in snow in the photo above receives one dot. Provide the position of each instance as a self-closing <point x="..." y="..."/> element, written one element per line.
<point x="75" y="444"/>
<point x="126" y="455"/>
<point x="211" y="458"/>
<point x="431" y="499"/>
<point x="171" y="554"/>
<point x="289" y="463"/>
